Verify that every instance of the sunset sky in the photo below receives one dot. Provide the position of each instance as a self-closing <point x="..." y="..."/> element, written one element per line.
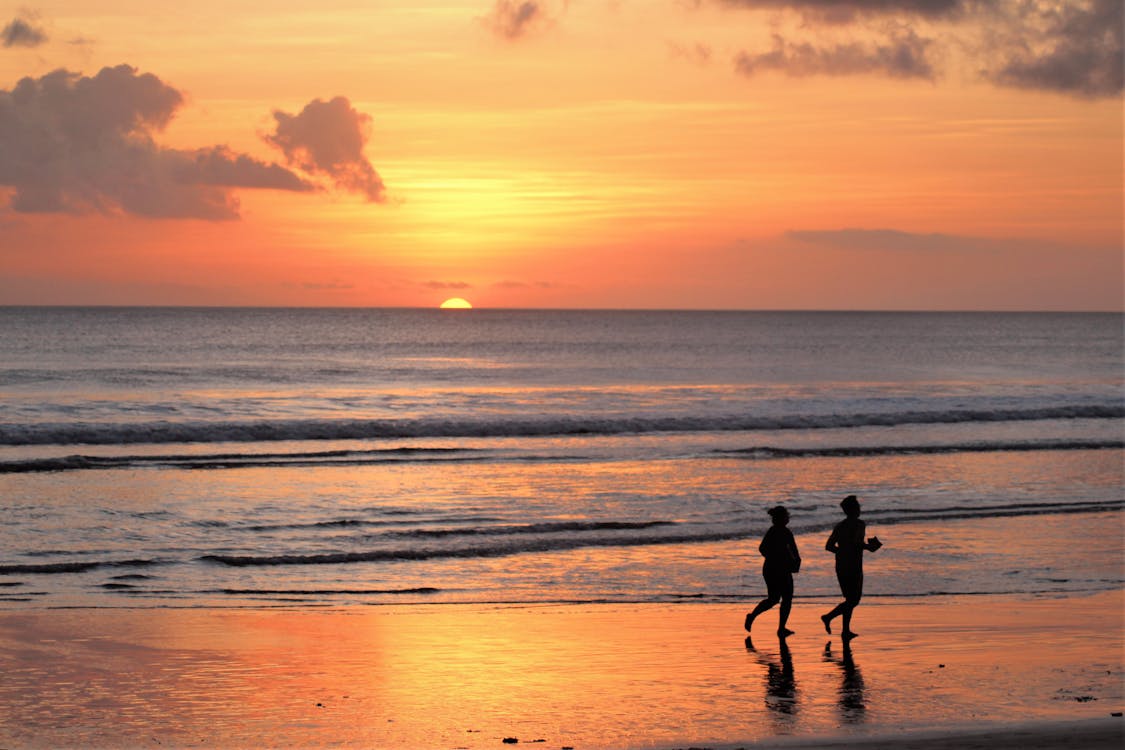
<point x="743" y="154"/>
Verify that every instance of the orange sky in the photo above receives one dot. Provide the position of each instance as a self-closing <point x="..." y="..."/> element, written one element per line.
<point x="746" y="154"/>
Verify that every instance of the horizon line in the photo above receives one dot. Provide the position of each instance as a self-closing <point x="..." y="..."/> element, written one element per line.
<point x="479" y="308"/>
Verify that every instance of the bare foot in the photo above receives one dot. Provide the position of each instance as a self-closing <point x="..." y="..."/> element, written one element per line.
<point x="827" y="623"/>
<point x="749" y="621"/>
<point x="784" y="632"/>
<point x="847" y="635"/>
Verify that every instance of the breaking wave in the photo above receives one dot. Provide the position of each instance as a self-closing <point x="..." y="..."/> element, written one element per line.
<point x="161" y="432"/>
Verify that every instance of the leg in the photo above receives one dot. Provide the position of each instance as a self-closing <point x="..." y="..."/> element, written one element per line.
<point x="763" y="605"/>
<point x="783" y="631"/>
<point x="848" y="634"/>
<point x="775" y="590"/>
<point x="850" y="582"/>
<point x="786" y="606"/>
<point x="853" y="592"/>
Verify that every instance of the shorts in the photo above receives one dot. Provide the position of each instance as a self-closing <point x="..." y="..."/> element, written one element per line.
<point x="851" y="584"/>
<point x="779" y="583"/>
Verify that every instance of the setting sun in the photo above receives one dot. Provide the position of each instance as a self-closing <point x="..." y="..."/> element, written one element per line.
<point x="456" y="303"/>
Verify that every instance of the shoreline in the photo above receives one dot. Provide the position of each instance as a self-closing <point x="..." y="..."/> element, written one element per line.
<point x="993" y="670"/>
<point x="1088" y="734"/>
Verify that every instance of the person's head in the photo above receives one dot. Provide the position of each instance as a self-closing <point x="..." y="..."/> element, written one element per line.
<point x="851" y="506"/>
<point x="779" y="515"/>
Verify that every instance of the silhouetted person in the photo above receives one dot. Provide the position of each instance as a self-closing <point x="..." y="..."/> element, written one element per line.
<point x="848" y="543"/>
<point x="850" y="697"/>
<point x="782" y="561"/>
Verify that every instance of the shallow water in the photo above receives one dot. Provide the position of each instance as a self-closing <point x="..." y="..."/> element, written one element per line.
<point x="164" y="457"/>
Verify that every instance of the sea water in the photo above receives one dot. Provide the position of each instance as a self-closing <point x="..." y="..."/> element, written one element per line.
<point x="312" y="457"/>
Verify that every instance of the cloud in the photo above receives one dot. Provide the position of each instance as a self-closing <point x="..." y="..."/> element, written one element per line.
<point x="1071" y="47"/>
<point x="334" y="285"/>
<point x="903" y="56"/>
<point x="78" y="144"/>
<point x="447" y="285"/>
<point x="529" y="285"/>
<point x="514" y="19"/>
<point x="888" y="239"/>
<point x="698" y="53"/>
<point x="328" y="138"/>
<point x="841" y="11"/>
<point x="23" y="31"/>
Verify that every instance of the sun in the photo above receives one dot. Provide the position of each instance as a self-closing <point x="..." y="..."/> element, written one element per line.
<point x="456" y="303"/>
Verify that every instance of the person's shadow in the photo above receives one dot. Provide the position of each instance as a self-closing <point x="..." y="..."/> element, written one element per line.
<point x="850" y="697"/>
<point x="781" y="685"/>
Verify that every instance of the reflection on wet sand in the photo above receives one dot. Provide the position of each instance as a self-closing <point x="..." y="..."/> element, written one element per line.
<point x="850" y="696"/>
<point x="781" y="686"/>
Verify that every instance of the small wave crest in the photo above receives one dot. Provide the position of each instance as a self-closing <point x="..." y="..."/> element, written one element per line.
<point x="72" y="567"/>
<point x="162" y="432"/>
<point x="240" y="460"/>
<point x="766" y="452"/>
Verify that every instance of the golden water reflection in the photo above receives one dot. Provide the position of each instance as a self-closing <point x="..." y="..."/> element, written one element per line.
<point x="586" y="677"/>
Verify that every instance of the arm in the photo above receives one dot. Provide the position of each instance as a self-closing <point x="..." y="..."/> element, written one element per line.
<point x="833" y="543"/>
<point x="871" y="544"/>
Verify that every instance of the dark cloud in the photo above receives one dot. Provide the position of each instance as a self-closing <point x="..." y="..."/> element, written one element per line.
<point x="887" y="239"/>
<point x="528" y="285"/>
<point x="447" y="285"/>
<point x="327" y="138"/>
<point x="80" y="144"/>
<point x="848" y="11"/>
<point x="1065" y="46"/>
<point x="23" y="31"/>
<point x="220" y="166"/>
<point x="902" y="56"/>
<point x="1070" y="47"/>
<point x="334" y="285"/>
<point x="513" y="19"/>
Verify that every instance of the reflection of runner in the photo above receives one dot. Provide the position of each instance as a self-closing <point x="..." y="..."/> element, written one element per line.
<point x="848" y="543"/>
<point x="851" y="694"/>
<point x="782" y="561"/>
<point x="781" y="685"/>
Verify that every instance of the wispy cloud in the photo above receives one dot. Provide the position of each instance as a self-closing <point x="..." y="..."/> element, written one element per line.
<point x="24" y="30"/>
<point x="515" y="19"/>
<point x="1072" y="47"/>
<point x="447" y="285"/>
<point x="889" y="239"/>
<point x="512" y="284"/>
<point x="1069" y="47"/>
<point x="902" y="56"/>
<point x="842" y="11"/>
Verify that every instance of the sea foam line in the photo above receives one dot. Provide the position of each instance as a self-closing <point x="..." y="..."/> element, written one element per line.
<point x="561" y="537"/>
<point x="455" y="455"/>
<point x="687" y="534"/>
<point x="69" y="433"/>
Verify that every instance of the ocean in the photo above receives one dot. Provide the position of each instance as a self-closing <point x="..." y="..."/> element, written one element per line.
<point x="208" y="457"/>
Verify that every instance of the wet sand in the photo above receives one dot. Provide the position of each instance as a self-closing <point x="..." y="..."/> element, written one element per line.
<point x="980" y="671"/>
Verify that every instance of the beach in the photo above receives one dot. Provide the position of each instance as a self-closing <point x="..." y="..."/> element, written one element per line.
<point x="938" y="672"/>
